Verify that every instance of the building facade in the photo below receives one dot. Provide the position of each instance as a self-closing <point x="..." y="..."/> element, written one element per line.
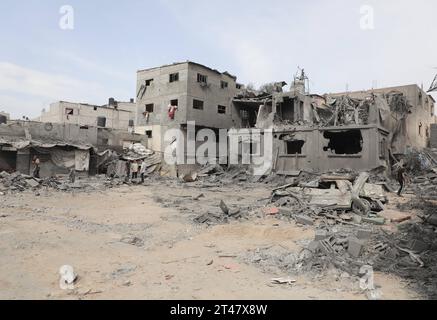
<point x="172" y="95"/>
<point x="114" y="115"/>
<point x="417" y="124"/>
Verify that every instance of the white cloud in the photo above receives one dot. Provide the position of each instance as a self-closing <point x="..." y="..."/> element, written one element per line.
<point x="20" y="86"/>
<point x="90" y="65"/>
<point x="18" y="79"/>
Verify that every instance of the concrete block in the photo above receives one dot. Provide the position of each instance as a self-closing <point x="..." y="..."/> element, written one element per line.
<point x="286" y="211"/>
<point x="32" y="183"/>
<point x="377" y="221"/>
<point x="314" y="246"/>
<point x="304" y="220"/>
<point x="321" y="235"/>
<point x="433" y="219"/>
<point x="355" y="247"/>
<point x="325" y="247"/>
<point x="364" y="234"/>
<point x="418" y="246"/>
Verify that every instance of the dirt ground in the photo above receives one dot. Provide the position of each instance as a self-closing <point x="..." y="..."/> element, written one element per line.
<point x="170" y="257"/>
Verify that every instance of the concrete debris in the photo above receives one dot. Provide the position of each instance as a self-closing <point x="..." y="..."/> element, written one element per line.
<point x="289" y="281"/>
<point x="67" y="277"/>
<point x="18" y="182"/>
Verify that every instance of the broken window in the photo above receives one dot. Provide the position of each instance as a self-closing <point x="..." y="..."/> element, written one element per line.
<point x="197" y="104"/>
<point x="221" y="109"/>
<point x="345" y="142"/>
<point x="202" y="78"/>
<point x="174" y="77"/>
<point x="294" y="146"/>
<point x="238" y="86"/>
<point x="149" y="82"/>
<point x="149" y="134"/>
<point x="69" y="111"/>
<point x="174" y="103"/>
<point x="286" y="110"/>
<point x="420" y="129"/>
<point x="223" y="84"/>
<point x="244" y="114"/>
<point x="95" y="108"/>
<point x="149" y="107"/>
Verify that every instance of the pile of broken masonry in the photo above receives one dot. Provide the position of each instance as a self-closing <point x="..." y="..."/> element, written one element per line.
<point x="18" y="182"/>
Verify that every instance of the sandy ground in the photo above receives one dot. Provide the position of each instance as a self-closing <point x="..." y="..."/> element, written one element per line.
<point x="175" y="259"/>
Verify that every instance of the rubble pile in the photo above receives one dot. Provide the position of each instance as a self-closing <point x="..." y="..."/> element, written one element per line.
<point x="17" y="182"/>
<point x="346" y="111"/>
<point x="332" y="199"/>
<point x="223" y="214"/>
<point x="412" y="254"/>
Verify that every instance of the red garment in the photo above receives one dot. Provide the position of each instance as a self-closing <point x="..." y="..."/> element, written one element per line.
<point x="172" y="111"/>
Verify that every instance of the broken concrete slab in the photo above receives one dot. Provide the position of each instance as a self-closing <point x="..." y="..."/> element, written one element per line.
<point x="355" y="247"/>
<point x="321" y="235"/>
<point x="364" y="234"/>
<point x="376" y="220"/>
<point x="304" y="220"/>
<point x="432" y="219"/>
<point x="224" y="207"/>
<point x="418" y="246"/>
<point x="32" y="183"/>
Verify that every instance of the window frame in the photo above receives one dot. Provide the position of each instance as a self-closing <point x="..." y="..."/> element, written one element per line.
<point x="223" y="111"/>
<point x="198" y="107"/>
<point x="202" y="76"/>
<point x="173" y="77"/>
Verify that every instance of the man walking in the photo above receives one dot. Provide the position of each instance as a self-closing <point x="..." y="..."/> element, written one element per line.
<point x="36" y="167"/>
<point x="72" y="175"/>
<point x="401" y="178"/>
<point x="143" y="170"/>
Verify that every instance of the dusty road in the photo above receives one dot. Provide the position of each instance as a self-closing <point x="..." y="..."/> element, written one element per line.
<point x="140" y="242"/>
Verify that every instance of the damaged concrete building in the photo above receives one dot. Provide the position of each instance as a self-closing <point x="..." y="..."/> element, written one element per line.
<point x="60" y="147"/>
<point x="115" y="114"/>
<point x="355" y="130"/>
<point x="359" y="131"/>
<point x="171" y="95"/>
<point x="412" y="113"/>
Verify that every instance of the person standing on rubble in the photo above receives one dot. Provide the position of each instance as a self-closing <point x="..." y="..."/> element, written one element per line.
<point x="36" y="167"/>
<point x="143" y="170"/>
<point x="134" y="169"/>
<point x="72" y="175"/>
<point x="402" y="178"/>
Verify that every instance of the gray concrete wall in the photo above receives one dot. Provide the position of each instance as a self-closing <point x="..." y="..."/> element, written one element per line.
<point x="85" y="114"/>
<point x="313" y="156"/>
<point x="50" y="131"/>
<point x="161" y="92"/>
<point x="212" y="96"/>
<point x="433" y="140"/>
<point x="422" y="112"/>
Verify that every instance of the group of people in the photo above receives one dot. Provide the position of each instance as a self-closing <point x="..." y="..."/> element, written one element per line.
<point x="134" y="167"/>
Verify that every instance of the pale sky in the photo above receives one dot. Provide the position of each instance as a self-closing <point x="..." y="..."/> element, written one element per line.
<point x="258" y="41"/>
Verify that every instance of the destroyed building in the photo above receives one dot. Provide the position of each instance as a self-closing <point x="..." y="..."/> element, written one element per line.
<point x="115" y="114"/>
<point x="359" y="131"/>
<point x="60" y="147"/>
<point x="412" y="111"/>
